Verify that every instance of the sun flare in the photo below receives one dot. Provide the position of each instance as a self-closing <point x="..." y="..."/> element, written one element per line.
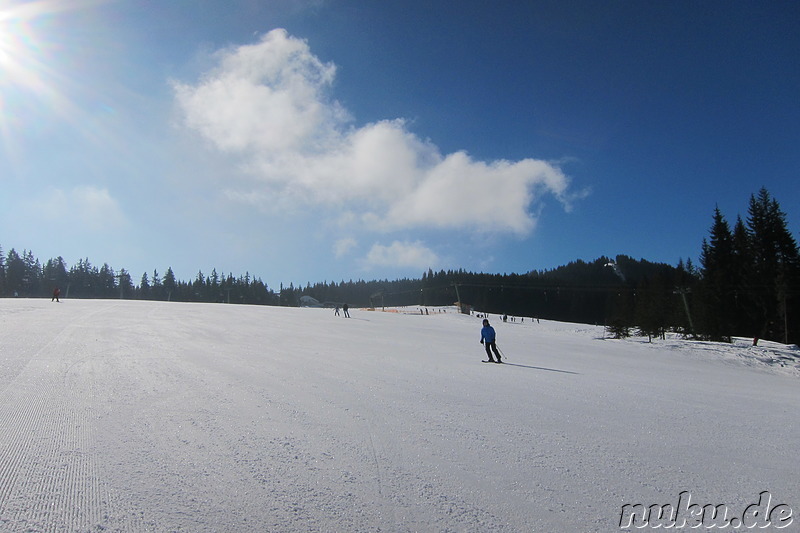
<point x="30" y="81"/>
<point x="21" y="57"/>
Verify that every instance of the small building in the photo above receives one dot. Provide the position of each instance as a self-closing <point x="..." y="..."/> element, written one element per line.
<point x="309" y="301"/>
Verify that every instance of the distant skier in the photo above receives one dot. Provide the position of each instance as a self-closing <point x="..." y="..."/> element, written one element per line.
<point x="345" y="308"/>
<point x="336" y="312"/>
<point x="488" y="338"/>
<point x="56" y="293"/>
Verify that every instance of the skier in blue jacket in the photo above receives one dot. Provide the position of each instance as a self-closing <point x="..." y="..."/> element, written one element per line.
<point x="488" y="337"/>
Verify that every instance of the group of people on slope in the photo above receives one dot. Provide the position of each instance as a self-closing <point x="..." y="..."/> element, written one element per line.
<point x="488" y="336"/>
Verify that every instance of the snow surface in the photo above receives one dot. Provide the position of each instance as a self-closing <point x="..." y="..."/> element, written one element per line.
<point x="148" y="416"/>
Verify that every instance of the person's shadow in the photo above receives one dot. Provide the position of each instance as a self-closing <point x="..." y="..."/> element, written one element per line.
<point x="542" y="368"/>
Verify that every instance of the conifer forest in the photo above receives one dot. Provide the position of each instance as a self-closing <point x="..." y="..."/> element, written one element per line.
<point x="746" y="284"/>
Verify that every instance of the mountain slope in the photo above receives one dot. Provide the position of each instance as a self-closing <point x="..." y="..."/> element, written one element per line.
<point x="137" y="416"/>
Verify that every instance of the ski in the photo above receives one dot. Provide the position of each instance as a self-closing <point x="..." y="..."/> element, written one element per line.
<point x="498" y="362"/>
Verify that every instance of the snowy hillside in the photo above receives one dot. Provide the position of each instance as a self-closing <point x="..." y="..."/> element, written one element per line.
<point x="146" y="416"/>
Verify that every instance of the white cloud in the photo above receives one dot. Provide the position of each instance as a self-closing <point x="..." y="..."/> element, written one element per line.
<point x="343" y="246"/>
<point x="94" y="208"/>
<point x="268" y="104"/>
<point x="401" y="255"/>
<point x="460" y="192"/>
<point x="264" y="98"/>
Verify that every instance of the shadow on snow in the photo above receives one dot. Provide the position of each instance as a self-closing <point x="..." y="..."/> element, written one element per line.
<point x="542" y="368"/>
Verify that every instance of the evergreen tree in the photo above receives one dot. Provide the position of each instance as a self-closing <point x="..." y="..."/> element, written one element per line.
<point x="144" y="287"/>
<point x="775" y="264"/>
<point x="718" y="294"/>
<point x="199" y="289"/>
<point x="214" y="288"/>
<point x="15" y="274"/>
<point x="653" y="308"/>
<point x="741" y="273"/>
<point x="106" y="286"/>
<point x="170" y="285"/>
<point x="126" y="286"/>
<point x="33" y="274"/>
<point x="157" y="291"/>
<point x="84" y="279"/>
<point x="2" y="273"/>
<point x="55" y="273"/>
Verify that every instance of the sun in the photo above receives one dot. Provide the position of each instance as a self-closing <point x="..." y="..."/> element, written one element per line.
<point x="28" y="46"/>
<point x="5" y="41"/>
<point x="39" y="49"/>
<point x="20" y="46"/>
<point x="29" y="79"/>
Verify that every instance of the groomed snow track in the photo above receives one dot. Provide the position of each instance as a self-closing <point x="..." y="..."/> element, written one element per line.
<point x="144" y="416"/>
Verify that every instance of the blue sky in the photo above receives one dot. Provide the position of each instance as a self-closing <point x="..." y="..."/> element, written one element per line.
<point x="306" y="141"/>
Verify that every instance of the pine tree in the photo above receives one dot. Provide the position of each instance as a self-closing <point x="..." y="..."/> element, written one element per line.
<point x="775" y="263"/>
<point x="718" y="294"/>
<point x="33" y="274"/>
<point x="55" y="273"/>
<point x="214" y="291"/>
<point x="107" y="284"/>
<point x="15" y="273"/>
<point x="2" y="272"/>
<point x="157" y="289"/>
<point x="126" y="287"/>
<point x="741" y="273"/>
<point x="170" y="285"/>
<point x="652" y="306"/>
<point x="199" y="288"/>
<point x="144" y="286"/>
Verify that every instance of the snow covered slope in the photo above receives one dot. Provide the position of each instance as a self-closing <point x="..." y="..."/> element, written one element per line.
<point x="146" y="416"/>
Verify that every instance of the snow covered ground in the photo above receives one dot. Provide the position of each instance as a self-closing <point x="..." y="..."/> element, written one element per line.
<point x="146" y="416"/>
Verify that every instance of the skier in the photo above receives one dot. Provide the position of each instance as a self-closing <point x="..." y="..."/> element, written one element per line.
<point x="336" y="312"/>
<point x="345" y="308"/>
<point x="56" y="293"/>
<point x="488" y="337"/>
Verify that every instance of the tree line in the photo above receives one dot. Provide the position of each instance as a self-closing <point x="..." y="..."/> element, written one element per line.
<point x="23" y="275"/>
<point x="750" y="282"/>
<point x="747" y="284"/>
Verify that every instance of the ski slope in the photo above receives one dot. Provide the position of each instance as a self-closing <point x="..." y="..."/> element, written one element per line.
<point x="153" y="416"/>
